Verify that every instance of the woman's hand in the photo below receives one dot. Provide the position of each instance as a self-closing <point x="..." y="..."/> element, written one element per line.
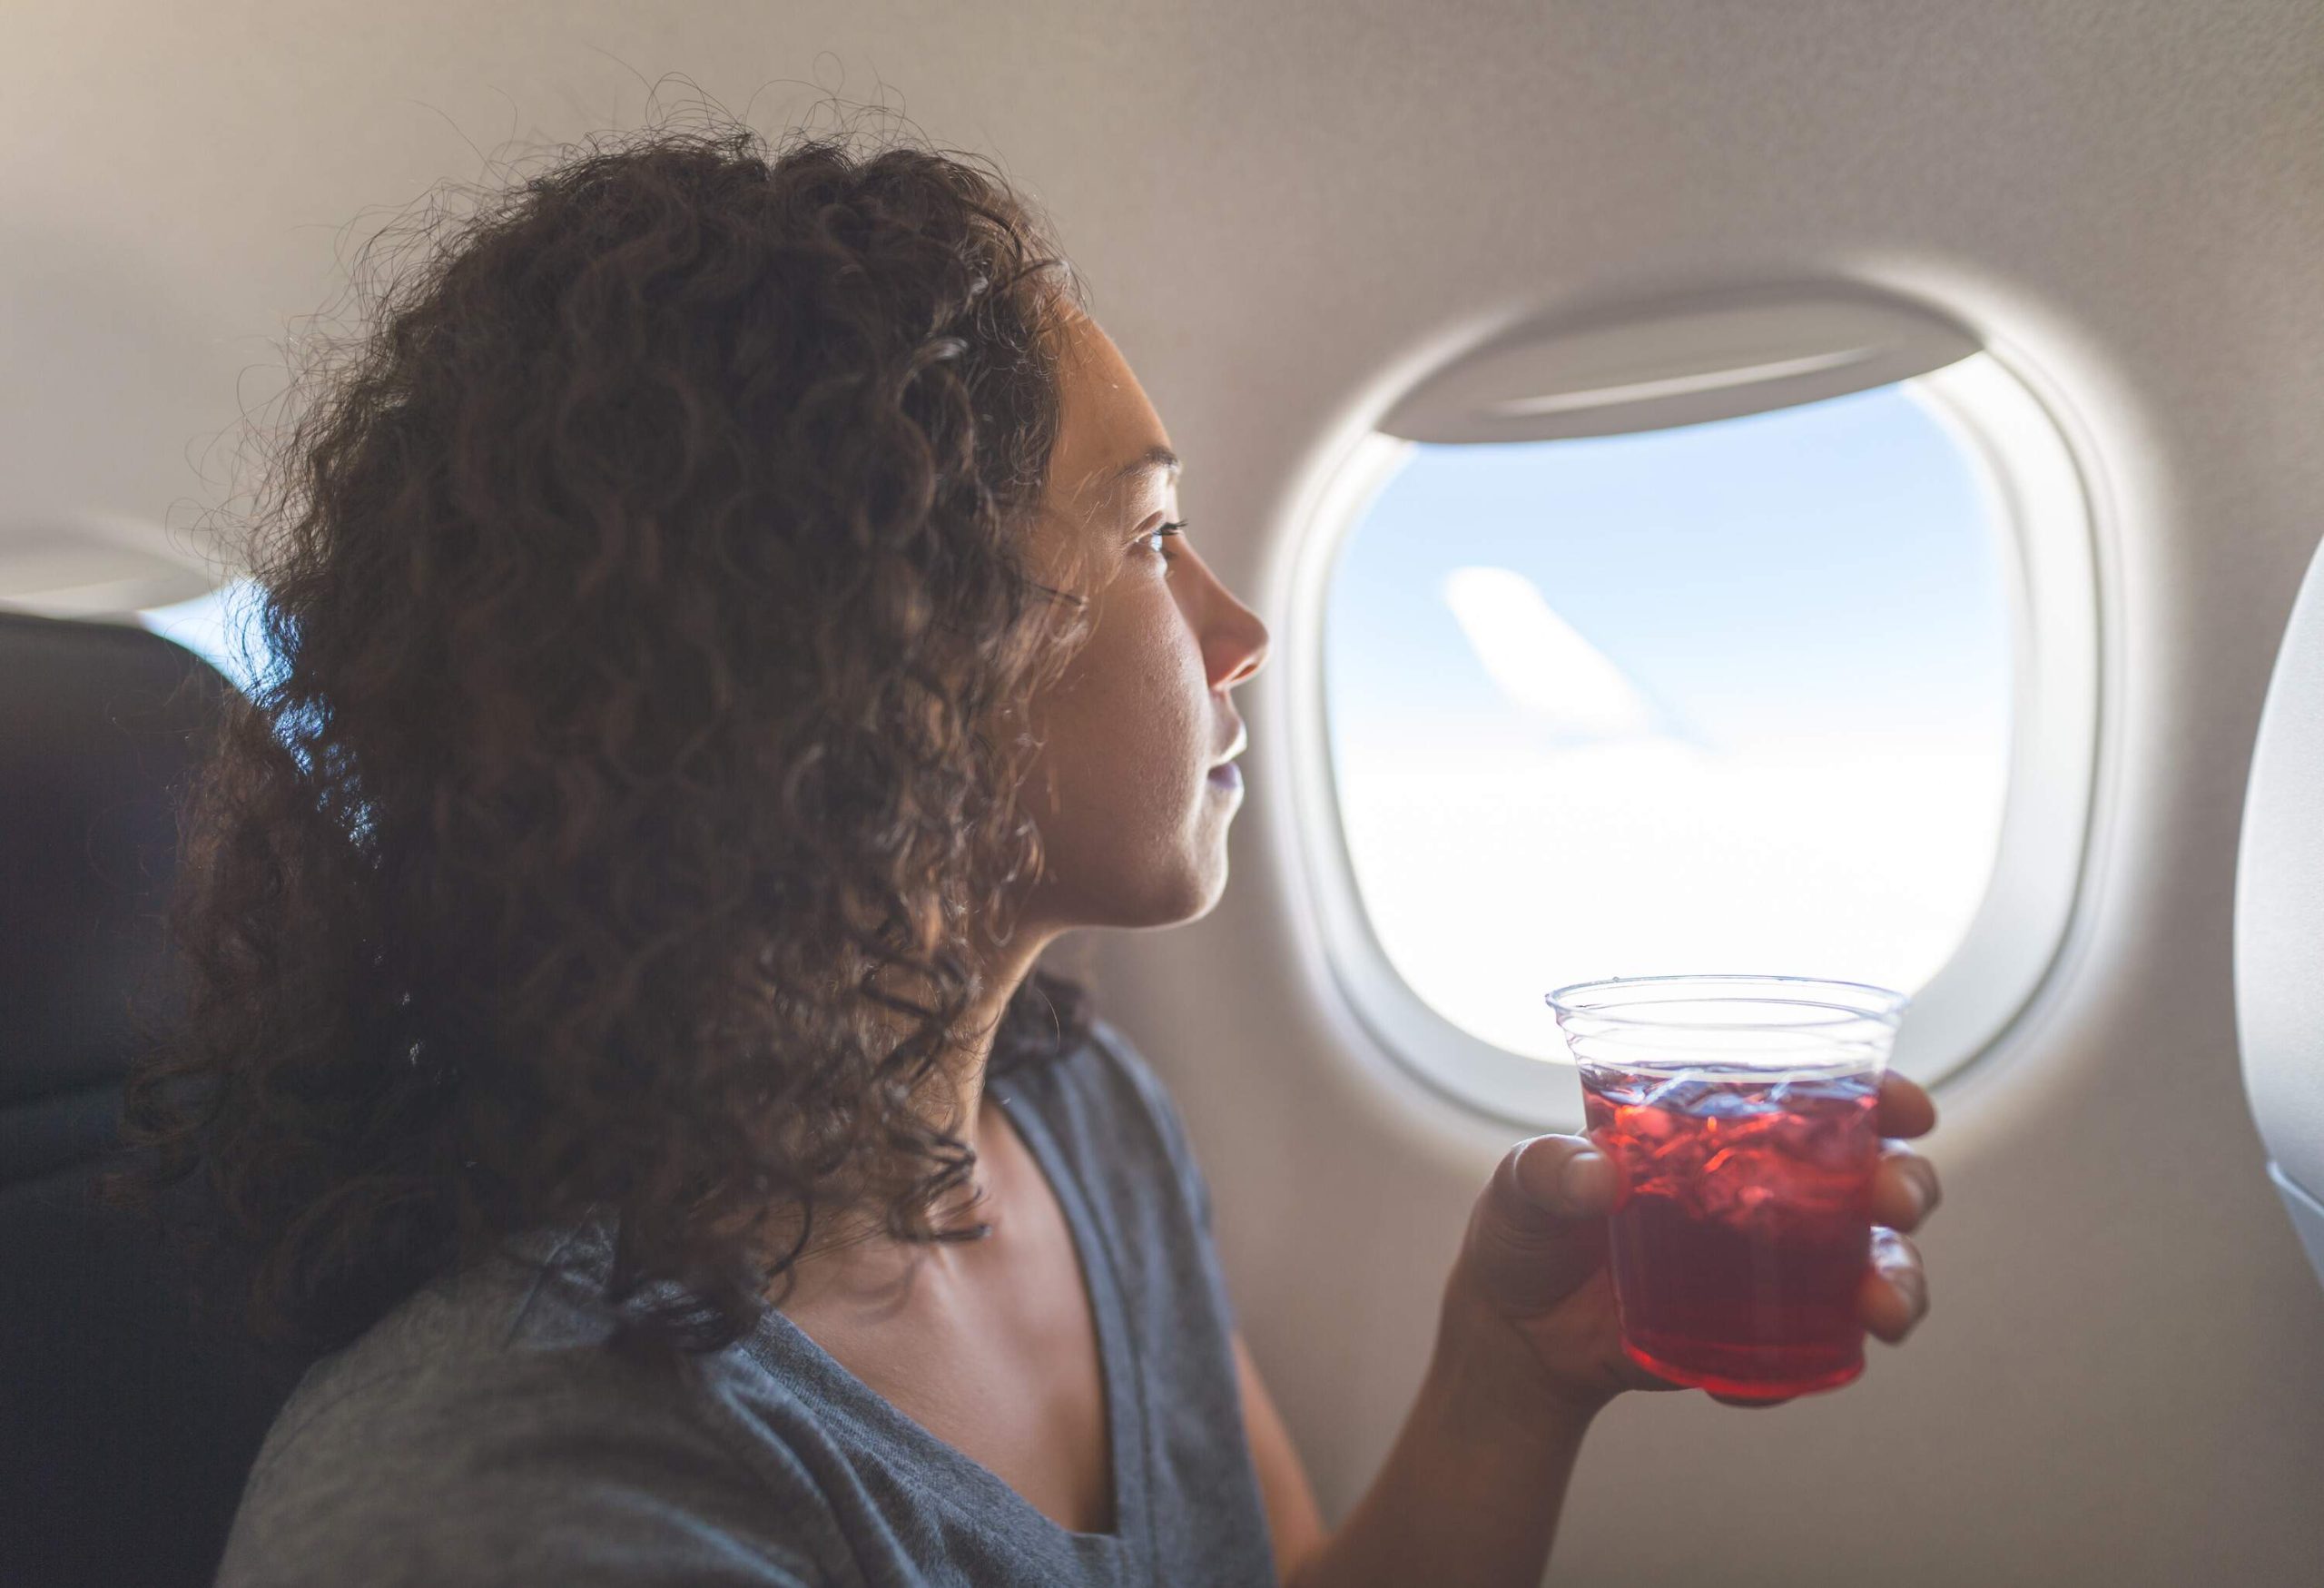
<point x="1532" y="1297"/>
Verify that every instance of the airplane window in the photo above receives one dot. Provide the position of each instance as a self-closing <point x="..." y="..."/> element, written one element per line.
<point x="222" y="627"/>
<point x="1738" y="696"/>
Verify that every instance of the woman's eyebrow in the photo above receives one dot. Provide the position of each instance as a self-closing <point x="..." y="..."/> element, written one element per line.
<point x="1156" y="456"/>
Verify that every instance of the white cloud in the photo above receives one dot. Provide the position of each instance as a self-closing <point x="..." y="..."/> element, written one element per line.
<point x="1651" y="857"/>
<point x="1546" y="668"/>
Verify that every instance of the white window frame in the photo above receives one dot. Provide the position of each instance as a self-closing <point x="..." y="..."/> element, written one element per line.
<point x="2035" y="500"/>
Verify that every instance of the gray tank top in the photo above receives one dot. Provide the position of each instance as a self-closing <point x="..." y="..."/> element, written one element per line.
<point x="479" y="1434"/>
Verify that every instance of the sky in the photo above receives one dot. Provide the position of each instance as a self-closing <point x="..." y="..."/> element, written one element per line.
<point x="1729" y="696"/>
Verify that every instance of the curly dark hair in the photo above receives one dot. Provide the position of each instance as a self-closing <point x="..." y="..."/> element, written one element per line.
<point x="651" y="629"/>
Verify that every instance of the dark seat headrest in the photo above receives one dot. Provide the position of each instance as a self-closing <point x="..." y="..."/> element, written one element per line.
<point x="127" y="1427"/>
<point x="98" y="723"/>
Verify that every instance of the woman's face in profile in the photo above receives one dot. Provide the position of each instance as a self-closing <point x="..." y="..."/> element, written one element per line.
<point x="1134" y="826"/>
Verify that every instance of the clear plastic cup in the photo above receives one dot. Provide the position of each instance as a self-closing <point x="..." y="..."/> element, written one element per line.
<point x="1743" y="1111"/>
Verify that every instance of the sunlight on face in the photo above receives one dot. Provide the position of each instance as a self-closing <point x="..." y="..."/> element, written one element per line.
<point x="1134" y="824"/>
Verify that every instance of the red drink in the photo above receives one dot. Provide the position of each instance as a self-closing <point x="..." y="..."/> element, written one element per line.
<point x="1739" y="1250"/>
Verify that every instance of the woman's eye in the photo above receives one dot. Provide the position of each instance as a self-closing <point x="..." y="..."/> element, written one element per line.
<point x="1177" y="527"/>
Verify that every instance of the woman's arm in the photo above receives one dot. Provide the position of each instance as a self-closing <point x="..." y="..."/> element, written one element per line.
<point x="1293" y="1520"/>
<point x="1527" y="1352"/>
<point x="1470" y="1495"/>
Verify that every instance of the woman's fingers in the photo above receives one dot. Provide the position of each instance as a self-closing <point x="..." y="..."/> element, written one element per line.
<point x="1895" y="1294"/>
<point x="1904" y="1188"/>
<point x="1904" y="1109"/>
<point x="1537" y="1231"/>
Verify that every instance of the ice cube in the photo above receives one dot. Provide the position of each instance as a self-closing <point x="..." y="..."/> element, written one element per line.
<point x="1839" y="1144"/>
<point x="1740" y="1191"/>
<point x="1681" y="1094"/>
<point x="1729" y="1104"/>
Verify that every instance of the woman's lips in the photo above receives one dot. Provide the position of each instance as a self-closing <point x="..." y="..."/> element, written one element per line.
<point x="1226" y="775"/>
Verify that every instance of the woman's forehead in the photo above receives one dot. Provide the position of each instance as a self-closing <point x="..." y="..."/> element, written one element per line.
<point x="1111" y="445"/>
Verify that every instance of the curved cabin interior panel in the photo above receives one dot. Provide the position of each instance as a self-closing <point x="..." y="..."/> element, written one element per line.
<point x="1734" y="586"/>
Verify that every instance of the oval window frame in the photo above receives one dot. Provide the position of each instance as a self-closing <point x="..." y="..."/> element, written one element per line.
<point x="2037" y="501"/>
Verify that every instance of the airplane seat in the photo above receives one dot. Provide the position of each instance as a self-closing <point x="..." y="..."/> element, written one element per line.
<point x="127" y="1425"/>
<point x="2279" y="921"/>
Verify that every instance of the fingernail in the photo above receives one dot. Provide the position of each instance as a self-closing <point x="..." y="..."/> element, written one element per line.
<point x="1925" y="1190"/>
<point x="1582" y="1175"/>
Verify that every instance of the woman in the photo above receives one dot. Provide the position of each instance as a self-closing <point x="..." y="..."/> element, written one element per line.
<point x="727" y="620"/>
